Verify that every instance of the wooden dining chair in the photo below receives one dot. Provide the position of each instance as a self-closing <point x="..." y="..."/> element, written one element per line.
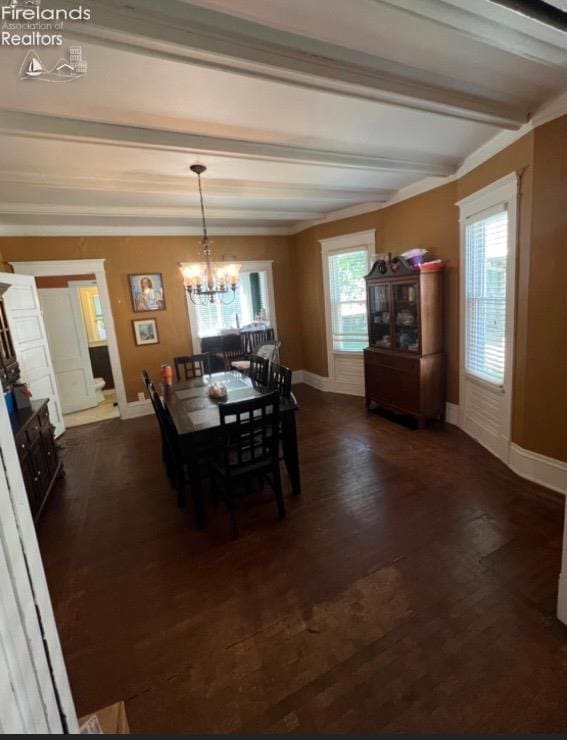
<point x="280" y="379"/>
<point x="249" y="450"/>
<point x="188" y="367"/>
<point x="230" y="356"/>
<point x="173" y="458"/>
<point x="270" y="350"/>
<point x="259" y="369"/>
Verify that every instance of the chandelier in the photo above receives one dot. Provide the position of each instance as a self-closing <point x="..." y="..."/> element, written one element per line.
<point x="207" y="282"/>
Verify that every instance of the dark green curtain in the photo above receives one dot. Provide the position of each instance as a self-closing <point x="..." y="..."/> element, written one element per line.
<point x="255" y="292"/>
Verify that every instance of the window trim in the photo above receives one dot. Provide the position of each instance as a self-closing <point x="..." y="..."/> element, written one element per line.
<point x="245" y="266"/>
<point x="500" y="195"/>
<point x="338" y="245"/>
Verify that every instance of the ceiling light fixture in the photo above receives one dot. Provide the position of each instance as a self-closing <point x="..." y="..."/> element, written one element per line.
<point x="207" y="282"/>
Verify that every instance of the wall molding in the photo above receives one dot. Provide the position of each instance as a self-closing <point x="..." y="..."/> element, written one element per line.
<point x="134" y="409"/>
<point x="533" y="466"/>
<point x="537" y="468"/>
<point x="326" y="384"/>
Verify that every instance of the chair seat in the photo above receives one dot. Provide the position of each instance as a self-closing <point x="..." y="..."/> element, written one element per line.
<point x="242" y="365"/>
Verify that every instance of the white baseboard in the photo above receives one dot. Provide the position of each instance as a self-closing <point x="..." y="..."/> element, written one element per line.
<point x="327" y="385"/>
<point x="546" y="471"/>
<point x="453" y="413"/>
<point x="137" y="408"/>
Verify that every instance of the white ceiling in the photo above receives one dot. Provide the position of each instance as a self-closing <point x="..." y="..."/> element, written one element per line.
<point x="298" y="108"/>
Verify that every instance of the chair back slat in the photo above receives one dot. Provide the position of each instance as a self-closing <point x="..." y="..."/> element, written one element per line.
<point x="188" y="367"/>
<point x="259" y="369"/>
<point x="250" y="431"/>
<point x="280" y="379"/>
<point x="230" y="356"/>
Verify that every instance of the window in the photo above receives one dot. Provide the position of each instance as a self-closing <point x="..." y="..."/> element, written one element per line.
<point x="250" y="304"/>
<point x="347" y="299"/>
<point x="92" y="314"/>
<point x="486" y="245"/>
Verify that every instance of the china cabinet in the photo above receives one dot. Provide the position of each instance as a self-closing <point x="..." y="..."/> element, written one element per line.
<point x="404" y="364"/>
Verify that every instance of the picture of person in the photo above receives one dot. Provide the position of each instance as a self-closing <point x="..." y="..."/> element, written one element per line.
<point x="147" y="292"/>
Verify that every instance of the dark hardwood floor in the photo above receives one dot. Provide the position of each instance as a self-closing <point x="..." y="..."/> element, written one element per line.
<point x="411" y="588"/>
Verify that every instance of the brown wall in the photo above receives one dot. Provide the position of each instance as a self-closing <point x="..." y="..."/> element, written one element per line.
<point x="126" y="255"/>
<point x="431" y="220"/>
<point x="545" y="359"/>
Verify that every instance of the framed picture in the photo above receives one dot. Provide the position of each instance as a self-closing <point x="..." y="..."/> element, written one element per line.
<point x="147" y="291"/>
<point x="145" y="331"/>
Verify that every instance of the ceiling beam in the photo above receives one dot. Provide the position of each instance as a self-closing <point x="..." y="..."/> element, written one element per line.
<point x="33" y="125"/>
<point x="190" y="34"/>
<point x="180" y="214"/>
<point x="215" y="187"/>
<point x="471" y="23"/>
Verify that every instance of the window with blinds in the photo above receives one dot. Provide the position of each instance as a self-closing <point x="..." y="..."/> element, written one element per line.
<point x="251" y="298"/>
<point x="347" y="297"/>
<point x="485" y="296"/>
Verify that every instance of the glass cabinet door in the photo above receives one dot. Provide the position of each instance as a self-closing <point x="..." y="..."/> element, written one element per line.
<point x="406" y="316"/>
<point x="380" y="318"/>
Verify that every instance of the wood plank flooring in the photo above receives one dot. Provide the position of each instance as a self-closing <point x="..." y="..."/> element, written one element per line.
<point x="411" y="588"/>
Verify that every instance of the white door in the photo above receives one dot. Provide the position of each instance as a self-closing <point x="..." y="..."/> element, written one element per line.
<point x="488" y="228"/>
<point x="34" y="689"/>
<point x="30" y="342"/>
<point x="69" y="348"/>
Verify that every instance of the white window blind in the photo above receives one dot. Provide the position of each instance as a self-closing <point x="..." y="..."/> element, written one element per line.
<point x="347" y="296"/>
<point x="485" y="296"/>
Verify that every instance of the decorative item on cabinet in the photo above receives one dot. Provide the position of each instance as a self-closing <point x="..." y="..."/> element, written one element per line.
<point x="38" y="453"/>
<point x="404" y="364"/>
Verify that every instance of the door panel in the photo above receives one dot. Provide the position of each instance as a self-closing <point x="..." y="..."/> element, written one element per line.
<point x="69" y="348"/>
<point x="30" y="342"/>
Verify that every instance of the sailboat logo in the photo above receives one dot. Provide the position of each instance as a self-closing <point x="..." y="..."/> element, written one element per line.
<point x="64" y="70"/>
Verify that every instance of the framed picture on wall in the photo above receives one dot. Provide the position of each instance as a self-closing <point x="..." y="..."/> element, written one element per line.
<point x="147" y="293"/>
<point x="145" y="331"/>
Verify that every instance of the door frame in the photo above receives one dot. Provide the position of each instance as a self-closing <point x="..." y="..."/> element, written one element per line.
<point x="505" y="192"/>
<point x="40" y="699"/>
<point x="343" y="243"/>
<point x="47" y="268"/>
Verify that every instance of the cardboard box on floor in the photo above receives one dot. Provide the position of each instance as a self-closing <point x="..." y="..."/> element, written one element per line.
<point x="108" y="721"/>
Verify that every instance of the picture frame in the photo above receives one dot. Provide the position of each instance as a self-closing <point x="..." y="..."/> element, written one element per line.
<point x="146" y="291"/>
<point x="145" y="332"/>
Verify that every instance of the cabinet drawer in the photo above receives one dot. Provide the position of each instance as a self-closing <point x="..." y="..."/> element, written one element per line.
<point x="44" y="417"/>
<point x="22" y="445"/>
<point x="394" y="362"/>
<point x="33" y="431"/>
<point x="393" y="387"/>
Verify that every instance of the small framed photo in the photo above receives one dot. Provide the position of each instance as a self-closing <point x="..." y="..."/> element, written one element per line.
<point x="146" y="290"/>
<point x="145" y="331"/>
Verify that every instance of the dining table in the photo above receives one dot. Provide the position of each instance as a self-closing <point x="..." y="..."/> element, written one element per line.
<point x="195" y="415"/>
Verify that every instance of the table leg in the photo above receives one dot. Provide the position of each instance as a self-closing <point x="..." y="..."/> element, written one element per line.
<point x="291" y="457"/>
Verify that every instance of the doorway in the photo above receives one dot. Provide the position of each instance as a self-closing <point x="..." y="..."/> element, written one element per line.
<point x="88" y="271"/>
<point x="77" y="337"/>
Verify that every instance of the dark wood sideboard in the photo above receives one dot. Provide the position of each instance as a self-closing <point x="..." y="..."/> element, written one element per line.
<point x="404" y="364"/>
<point x="38" y="453"/>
